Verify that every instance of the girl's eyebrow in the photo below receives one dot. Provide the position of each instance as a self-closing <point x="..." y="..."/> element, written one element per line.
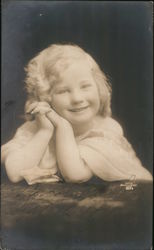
<point x="63" y="86"/>
<point x="85" y="81"/>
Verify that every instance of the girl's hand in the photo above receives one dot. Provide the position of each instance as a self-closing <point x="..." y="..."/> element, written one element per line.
<point x="56" y="119"/>
<point x="44" y="123"/>
<point x="39" y="109"/>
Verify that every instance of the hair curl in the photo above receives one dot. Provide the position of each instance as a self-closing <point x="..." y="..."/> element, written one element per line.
<point x="44" y="70"/>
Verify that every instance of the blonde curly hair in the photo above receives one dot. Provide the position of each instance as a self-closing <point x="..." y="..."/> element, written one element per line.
<point x="44" y="70"/>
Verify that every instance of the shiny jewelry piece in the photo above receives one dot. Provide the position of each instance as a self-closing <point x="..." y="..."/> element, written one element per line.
<point x="130" y="184"/>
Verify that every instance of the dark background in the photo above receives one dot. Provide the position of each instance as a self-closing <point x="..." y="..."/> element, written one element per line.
<point x="117" y="34"/>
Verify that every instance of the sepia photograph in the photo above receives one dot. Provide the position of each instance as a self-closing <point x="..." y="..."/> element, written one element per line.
<point x="76" y="125"/>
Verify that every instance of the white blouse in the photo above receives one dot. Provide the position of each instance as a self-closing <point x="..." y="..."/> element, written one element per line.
<point x="104" y="149"/>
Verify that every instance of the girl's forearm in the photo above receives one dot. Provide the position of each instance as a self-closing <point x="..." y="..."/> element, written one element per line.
<point x="69" y="161"/>
<point x="28" y="156"/>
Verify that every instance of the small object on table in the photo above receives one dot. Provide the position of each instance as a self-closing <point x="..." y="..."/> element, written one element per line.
<point x="130" y="184"/>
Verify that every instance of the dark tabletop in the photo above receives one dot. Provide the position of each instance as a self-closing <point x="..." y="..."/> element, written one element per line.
<point x="92" y="215"/>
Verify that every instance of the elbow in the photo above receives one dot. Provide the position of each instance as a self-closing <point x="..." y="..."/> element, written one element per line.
<point x="12" y="172"/>
<point x="77" y="174"/>
<point x="77" y="179"/>
<point x="14" y="178"/>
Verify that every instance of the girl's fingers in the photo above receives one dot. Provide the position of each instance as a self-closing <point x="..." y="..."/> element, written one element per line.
<point x="41" y="110"/>
<point x="53" y="117"/>
<point x="31" y="107"/>
<point x="38" y="105"/>
<point x="34" y="111"/>
<point x="44" y="104"/>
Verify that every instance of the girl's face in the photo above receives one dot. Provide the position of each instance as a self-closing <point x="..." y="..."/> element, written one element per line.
<point x="76" y="96"/>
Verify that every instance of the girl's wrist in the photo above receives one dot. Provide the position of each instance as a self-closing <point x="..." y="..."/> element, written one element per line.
<point x="57" y="120"/>
<point x="46" y="131"/>
<point x="63" y="123"/>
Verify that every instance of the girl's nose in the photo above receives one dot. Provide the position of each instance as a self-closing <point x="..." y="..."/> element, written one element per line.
<point x="76" y="97"/>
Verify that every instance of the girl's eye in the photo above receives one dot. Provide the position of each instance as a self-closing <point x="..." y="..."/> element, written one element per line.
<point x="85" y="86"/>
<point x="63" y="91"/>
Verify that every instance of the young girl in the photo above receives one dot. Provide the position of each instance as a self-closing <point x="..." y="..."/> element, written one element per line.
<point x="69" y="132"/>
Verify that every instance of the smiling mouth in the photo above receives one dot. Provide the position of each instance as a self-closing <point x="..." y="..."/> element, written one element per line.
<point x="78" y="109"/>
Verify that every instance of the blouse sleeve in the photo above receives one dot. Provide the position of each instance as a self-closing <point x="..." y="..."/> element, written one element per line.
<point x="110" y="156"/>
<point x="46" y="171"/>
<point x="23" y="134"/>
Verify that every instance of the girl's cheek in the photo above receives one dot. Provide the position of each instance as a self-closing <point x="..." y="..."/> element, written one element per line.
<point x="94" y="95"/>
<point x="54" y="103"/>
<point x="58" y="102"/>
